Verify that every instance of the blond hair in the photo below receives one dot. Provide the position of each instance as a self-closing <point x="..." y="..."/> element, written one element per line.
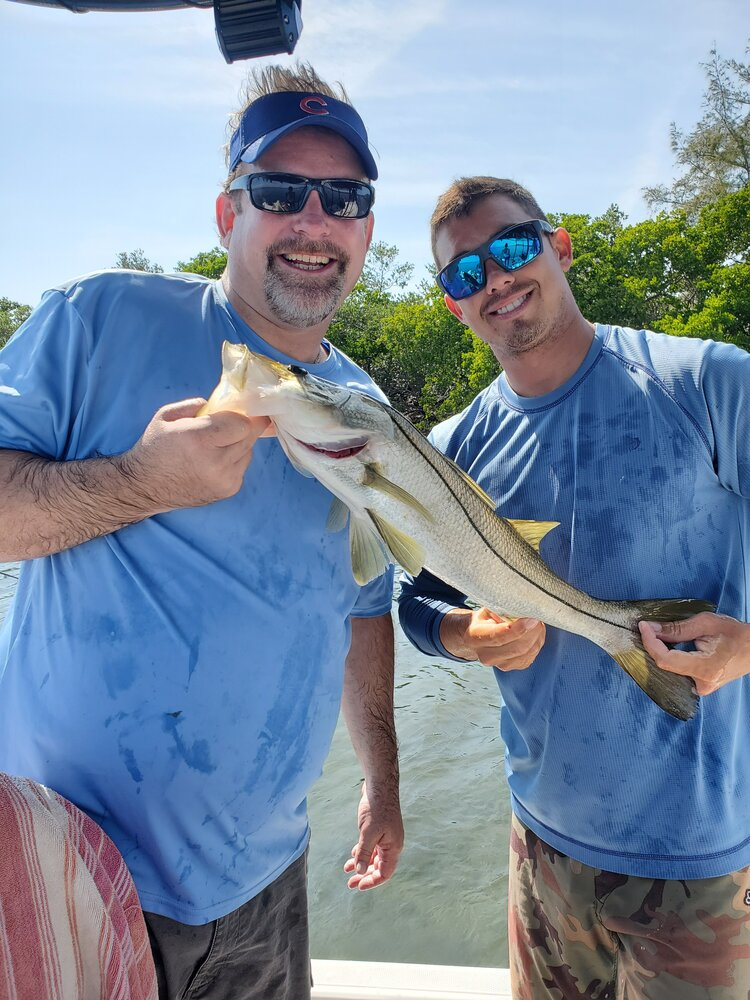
<point x="276" y="79"/>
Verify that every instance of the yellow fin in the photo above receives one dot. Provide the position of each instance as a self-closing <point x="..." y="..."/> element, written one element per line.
<point x="403" y="548"/>
<point x="337" y="516"/>
<point x="674" y="693"/>
<point x="369" y="557"/>
<point x="475" y="487"/>
<point x="532" y="531"/>
<point x="373" y="477"/>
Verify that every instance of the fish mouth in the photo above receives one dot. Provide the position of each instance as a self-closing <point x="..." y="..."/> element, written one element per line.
<point x="334" y="452"/>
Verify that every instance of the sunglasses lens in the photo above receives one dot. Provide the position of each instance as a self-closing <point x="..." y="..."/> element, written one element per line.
<point x="463" y="277"/>
<point x="346" y="199"/>
<point x="287" y="193"/>
<point x="277" y="194"/>
<point x="516" y="247"/>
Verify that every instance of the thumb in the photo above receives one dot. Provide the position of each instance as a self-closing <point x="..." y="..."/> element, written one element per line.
<point x="690" y="628"/>
<point x="183" y="408"/>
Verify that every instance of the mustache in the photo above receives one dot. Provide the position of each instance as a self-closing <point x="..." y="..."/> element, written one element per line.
<point x="321" y="248"/>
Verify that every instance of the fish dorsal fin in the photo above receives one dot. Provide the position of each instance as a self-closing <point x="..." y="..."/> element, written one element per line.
<point x="532" y="531"/>
<point x="374" y="477"/>
<point x="337" y="516"/>
<point x="474" y="486"/>
<point x="369" y="556"/>
<point x="403" y="548"/>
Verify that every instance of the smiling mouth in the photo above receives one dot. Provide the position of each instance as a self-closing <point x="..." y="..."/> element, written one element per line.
<point x="511" y="306"/>
<point x="307" y="261"/>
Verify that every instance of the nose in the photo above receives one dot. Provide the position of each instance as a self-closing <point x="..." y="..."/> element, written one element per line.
<point x="497" y="280"/>
<point x="312" y="218"/>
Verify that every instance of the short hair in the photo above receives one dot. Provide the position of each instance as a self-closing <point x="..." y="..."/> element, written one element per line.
<point x="466" y="192"/>
<point x="265" y="80"/>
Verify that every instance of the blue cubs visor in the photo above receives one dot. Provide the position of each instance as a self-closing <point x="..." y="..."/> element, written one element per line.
<point x="274" y="115"/>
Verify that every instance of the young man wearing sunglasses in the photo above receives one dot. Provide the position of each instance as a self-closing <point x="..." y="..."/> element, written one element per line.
<point x="175" y="657"/>
<point x="629" y="843"/>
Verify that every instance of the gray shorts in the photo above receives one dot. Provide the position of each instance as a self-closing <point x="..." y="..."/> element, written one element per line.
<point x="258" y="952"/>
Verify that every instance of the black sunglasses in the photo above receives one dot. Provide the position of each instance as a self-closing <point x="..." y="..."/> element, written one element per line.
<point x="287" y="194"/>
<point x="510" y="249"/>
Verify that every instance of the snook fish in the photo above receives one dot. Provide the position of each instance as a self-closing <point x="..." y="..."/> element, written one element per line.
<point x="405" y="502"/>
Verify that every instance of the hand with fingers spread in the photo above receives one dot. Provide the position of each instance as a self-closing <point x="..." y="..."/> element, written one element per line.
<point x="381" y="840"/>
<point x="508" y="644"/>
<point x="721" y="654"/>
<point x="186" y="460"/>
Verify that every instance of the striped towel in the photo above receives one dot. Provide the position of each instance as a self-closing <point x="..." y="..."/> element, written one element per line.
<point x="71" y="926"/>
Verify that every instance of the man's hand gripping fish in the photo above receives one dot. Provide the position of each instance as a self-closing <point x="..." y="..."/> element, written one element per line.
<point x="407" y="503"/>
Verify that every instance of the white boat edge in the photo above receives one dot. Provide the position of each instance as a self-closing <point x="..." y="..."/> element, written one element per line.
<point x="400" y="981"/>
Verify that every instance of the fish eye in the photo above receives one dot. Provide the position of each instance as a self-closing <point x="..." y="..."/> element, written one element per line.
<point x="296" y="370"/>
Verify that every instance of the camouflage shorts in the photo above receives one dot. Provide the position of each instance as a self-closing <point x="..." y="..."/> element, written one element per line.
<point x="580" y="932"/>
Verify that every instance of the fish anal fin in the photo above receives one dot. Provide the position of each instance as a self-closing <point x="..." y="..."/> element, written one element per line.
<point x="369" y="557"/>
<point x="532" y="531"/>
<point x="675" y="693"/>
<point x="403" y="548"/>
<point x="373" y="477"/>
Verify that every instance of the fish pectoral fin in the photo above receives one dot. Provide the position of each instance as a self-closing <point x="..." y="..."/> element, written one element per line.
<point x="675" y="693"/>
<point x="338" y="515"/>
<point x="369" y="555"/>
<point x="402" y="547"/>
<point x="532" y="531"/>
<point x="373" y="477"/>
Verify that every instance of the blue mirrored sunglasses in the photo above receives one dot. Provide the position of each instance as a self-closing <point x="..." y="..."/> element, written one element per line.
<point x="510" y="249"/>
<point x="287" y="194"/>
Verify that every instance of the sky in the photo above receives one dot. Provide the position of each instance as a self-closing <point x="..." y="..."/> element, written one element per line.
<point x="113" y="125"/>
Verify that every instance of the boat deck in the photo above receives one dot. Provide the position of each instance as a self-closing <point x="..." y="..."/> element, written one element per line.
<point x="395" y="981"/>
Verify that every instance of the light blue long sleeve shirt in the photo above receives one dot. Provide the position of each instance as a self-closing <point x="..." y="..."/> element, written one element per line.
<point x="643" y="456"/>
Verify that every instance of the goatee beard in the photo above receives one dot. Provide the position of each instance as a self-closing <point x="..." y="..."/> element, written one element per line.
<point x="299" y="300"/>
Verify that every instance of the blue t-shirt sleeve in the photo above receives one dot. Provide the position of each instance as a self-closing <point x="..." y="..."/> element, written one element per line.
<point x="725" y="381"/>
<point x="376" y="597"/>
<point x="43" y="378"/>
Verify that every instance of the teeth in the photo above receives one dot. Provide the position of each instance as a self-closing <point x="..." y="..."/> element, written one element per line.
<point x="307" y="260"/>
<point x="511" y="305"/>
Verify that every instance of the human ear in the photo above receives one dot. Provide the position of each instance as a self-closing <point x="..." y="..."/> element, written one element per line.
<point x="225" y="215"/>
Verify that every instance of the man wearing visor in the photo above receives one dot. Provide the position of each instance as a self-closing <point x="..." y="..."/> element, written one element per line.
<point x="184" y="624"/>
<point x="628" y="868"/>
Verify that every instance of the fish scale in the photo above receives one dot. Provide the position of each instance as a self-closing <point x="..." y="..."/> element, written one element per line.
<point x="404" y="501"/>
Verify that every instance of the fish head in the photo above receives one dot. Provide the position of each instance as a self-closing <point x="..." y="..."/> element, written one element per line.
<point x="332" y="420"/>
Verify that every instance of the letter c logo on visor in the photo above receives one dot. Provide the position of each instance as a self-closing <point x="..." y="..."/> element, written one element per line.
<point x="307" y="106"/>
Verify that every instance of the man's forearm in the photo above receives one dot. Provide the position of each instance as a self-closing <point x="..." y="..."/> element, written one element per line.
<point x="48" y="506"/>
<point x="368" y="699"/>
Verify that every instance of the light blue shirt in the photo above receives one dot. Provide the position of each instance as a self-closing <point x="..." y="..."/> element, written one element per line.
<point x="643" y="456"/>
<point x="179" y="679"/>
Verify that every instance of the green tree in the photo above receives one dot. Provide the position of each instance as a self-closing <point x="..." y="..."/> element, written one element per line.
<point x="12" y="315"/>
<point x="715" y="155"/>
<point x="136" y="260"/>
<point x="210" y="263"/>
<point x="432" y="365"/>
<point x="358" y="327"/>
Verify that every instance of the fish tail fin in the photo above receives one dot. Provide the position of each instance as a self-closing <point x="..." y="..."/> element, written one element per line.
<point x="673" y="610"/>
<point x="675" y="693"/>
